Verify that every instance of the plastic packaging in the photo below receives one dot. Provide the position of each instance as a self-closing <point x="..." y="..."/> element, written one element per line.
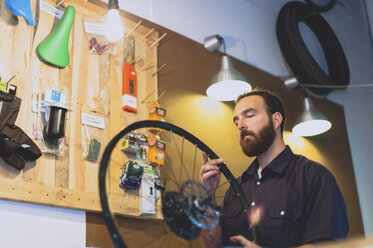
<point x="98" y="44"/>
<point x="93" y="126"/>
<point x="41" y="111"/>
<point x="135" y="146"/>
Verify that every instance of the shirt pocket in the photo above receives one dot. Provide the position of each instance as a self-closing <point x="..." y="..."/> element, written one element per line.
<point x="284" y="214"/>
<point x="283" y="224"/>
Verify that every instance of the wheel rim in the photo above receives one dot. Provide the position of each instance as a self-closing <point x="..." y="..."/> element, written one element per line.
<point x="196" y="217"/>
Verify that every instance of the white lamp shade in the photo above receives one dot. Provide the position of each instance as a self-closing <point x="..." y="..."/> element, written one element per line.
<point x="228" y="83"/>
<point x="311" y="128"/>
<point x="227" y="90"/>
<point x="311" y="122"/>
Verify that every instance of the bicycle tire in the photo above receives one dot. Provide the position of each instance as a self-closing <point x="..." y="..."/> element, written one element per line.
<point x="322" y="7"/>
<point x="299" y="58"/>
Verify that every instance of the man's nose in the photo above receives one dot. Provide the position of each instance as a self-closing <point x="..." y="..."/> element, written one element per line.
<point x="241" y="125"/>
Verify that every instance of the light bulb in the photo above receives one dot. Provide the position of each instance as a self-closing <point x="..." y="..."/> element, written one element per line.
<point x="113" y="29"/>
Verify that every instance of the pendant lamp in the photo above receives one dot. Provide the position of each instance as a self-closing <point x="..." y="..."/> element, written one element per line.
<point x="311" y="122"/>
<point x="113" y="28"/>
<point x="228" y="83"/>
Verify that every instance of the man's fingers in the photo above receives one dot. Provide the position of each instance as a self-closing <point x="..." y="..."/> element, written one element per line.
<point x="207" y="175"/>
<point x="210" y="173"/>
<point x="207" y="168"/>
<point x="214" y="161"/>
<point x="239" y="239"/>
<point x="204" y="158"/>
<point x="243" y="241"/>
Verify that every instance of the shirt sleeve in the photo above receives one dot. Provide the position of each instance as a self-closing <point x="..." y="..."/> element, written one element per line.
<point x="326" y="217"/>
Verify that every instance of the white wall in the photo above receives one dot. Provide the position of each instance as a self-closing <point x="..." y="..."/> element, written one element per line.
<point x="29" y="225"/>
<point x="248" y="26"/>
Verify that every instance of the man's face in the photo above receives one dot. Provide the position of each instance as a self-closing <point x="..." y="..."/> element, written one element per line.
<point x="255" y="127"/>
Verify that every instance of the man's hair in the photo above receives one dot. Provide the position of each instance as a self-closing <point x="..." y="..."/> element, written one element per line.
<point x="272" y="101"/>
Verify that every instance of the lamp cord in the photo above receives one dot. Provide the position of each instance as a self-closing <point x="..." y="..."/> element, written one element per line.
<point x="221" y="39"/>
<point x="337" y="86"/>
<point x="224" y="47"/>
<point x="113" y="4"/>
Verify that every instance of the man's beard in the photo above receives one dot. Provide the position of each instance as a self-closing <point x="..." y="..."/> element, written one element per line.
<point x="258" y="143"/>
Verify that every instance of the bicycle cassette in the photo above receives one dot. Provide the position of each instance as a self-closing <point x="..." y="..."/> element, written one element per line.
<point x="175" y="217"/>
<point x="199" y="205"/>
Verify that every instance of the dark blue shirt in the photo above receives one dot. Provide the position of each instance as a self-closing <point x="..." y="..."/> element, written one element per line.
<point x="299" y="199"/>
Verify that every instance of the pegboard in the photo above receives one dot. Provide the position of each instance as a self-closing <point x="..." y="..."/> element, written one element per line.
<point x="91" y="83"/>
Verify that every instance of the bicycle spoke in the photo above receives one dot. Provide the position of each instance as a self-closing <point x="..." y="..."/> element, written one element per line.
<point x="144" y="228"/>
<point x="182" y="161"/>
<point x="151" y="241"/>
<point x="222" y="184"/>
<point x="172" y="170"/>
<point x="194" y="164"/>
<point x="190" y="244"/>
<point x="163" y="241"/>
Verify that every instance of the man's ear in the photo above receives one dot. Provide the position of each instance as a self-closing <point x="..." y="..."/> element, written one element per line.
<point x="277" y="119"/>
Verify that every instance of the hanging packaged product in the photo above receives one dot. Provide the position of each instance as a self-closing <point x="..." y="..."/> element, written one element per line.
<point x="135" y="146"/>
<point x="147" y="193"/>
<point x="157" y="180"/>
<point x="129" y="88"/>
<point x="156" y="152"/>
<point x="156" y="113"/>
<point x="50" y="122"/>
<point x="95" y="31"/>
<point x="57" y="120"/>
<point x="92" y="134"/>
<point x="130" y="175"/>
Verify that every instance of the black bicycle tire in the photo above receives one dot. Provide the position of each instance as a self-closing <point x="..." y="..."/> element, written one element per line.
<point x="299" y="58"/>
<point x="324" y="8"/>
<point x="108" y="215"/>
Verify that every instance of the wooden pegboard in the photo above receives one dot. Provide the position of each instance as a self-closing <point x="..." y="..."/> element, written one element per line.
<point x="90" y="81"/>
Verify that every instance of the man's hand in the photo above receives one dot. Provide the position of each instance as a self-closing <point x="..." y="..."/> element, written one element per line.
<point x="243" y="241"/>
<point x="210" y="173"/>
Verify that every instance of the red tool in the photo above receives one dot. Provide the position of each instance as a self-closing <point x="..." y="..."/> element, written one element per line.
<point x="129" y="88"/>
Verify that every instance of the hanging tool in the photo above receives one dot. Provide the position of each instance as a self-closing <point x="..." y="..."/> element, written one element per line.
<point x="129" y="88"/>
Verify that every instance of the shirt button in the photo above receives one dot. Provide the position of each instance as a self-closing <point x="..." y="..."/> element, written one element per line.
<point x="258" y="182"/>
<point x="282" y="212"/>
<point x="253" y="204"/>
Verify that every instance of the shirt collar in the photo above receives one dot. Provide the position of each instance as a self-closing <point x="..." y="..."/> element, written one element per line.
<point x="277" y="165"/>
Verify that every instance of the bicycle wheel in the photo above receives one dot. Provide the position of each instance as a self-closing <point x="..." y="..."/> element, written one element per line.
<point x="178" y="199"/>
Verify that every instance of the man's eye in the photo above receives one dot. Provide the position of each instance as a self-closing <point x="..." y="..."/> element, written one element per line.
<point x="249" y="116"/>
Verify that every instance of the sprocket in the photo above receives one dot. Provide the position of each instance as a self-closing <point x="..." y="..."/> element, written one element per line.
<point x="175" y="217"/>
<point x="199" y="205"/>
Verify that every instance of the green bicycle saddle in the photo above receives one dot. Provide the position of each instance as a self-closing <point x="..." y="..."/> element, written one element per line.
<point x="55" y="49"/>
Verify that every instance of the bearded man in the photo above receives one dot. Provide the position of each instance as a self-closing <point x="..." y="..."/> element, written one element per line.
<point x="295" y="201"/>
